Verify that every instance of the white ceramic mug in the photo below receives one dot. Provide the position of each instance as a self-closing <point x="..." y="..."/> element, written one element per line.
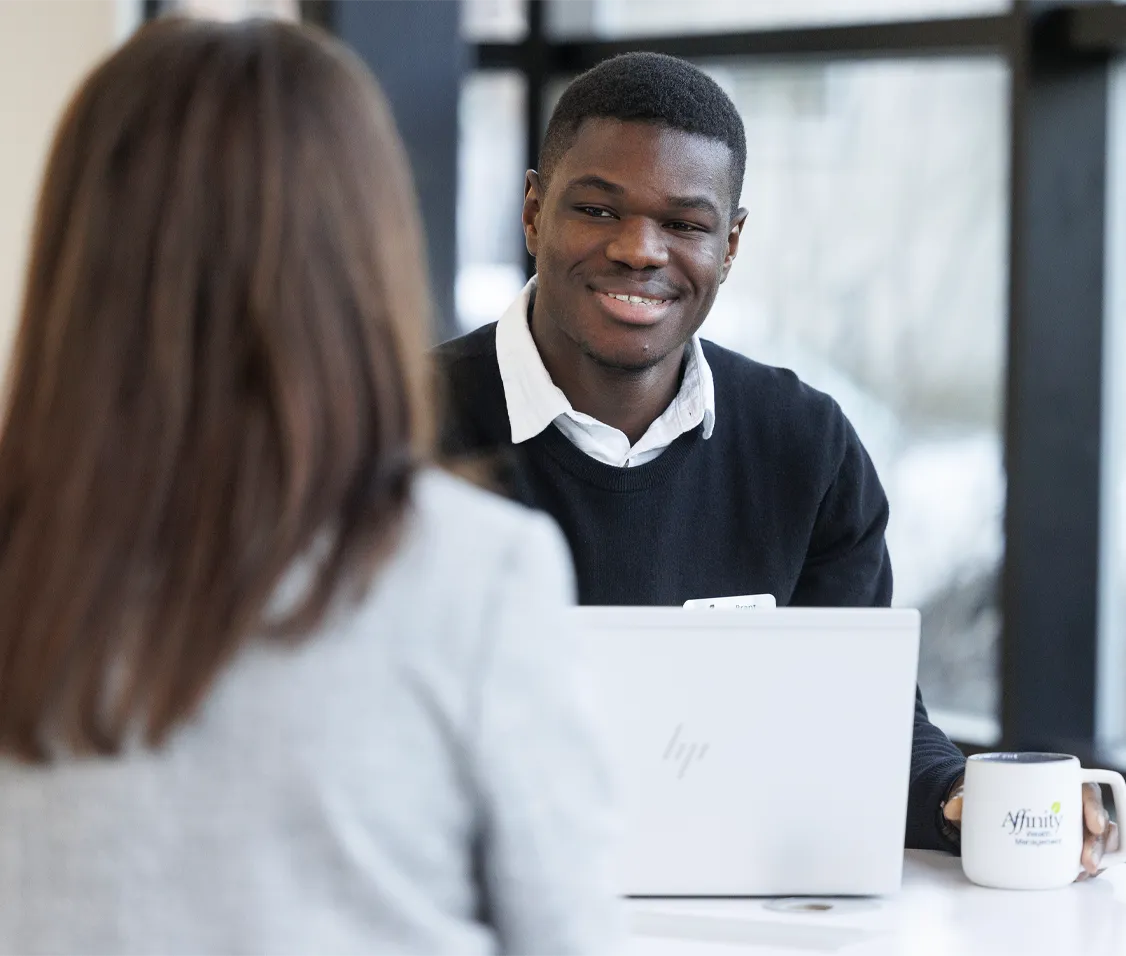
<point x="1022" y="819"/>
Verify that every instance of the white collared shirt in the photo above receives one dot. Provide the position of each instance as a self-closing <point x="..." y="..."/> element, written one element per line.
<point x="534" y="401"/>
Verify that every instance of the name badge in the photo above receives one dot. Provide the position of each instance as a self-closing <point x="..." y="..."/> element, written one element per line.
<point x="741" y="601"/>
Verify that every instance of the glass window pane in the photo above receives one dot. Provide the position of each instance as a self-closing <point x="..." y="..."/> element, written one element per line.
<point x="490" y="240"/>
<point x="873" y="263"/>
<point x="494" y="21"/>
<point x="621" y="18"/>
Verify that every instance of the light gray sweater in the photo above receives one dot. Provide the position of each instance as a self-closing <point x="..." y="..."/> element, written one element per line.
<point x="421" y="777"/>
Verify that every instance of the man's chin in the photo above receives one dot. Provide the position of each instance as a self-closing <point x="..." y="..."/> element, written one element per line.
<point x="631" y="360"/>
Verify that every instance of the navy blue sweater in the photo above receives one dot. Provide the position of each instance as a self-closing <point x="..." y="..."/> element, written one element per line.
<point x="781" y="499"/>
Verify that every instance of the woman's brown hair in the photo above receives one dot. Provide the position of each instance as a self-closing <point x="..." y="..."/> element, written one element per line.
<point x="219" y="373"/>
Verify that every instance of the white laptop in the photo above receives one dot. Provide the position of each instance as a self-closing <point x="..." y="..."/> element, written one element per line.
<point x="757" y="753"/>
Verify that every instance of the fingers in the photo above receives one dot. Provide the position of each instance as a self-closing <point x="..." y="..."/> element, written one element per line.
<point x="1094" y="816"/>
<point x="1093" y="846"/>
<point x="1097" y="825"/>
<point x="952" y="807"/>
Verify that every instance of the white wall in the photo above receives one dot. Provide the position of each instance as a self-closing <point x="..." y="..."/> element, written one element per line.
<point x="46" y="47"/>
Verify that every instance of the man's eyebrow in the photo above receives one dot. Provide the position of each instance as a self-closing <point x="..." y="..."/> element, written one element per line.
<point x="596" y="182"/>
<point x="701" y="203"/>
<point x="695" y="202"/>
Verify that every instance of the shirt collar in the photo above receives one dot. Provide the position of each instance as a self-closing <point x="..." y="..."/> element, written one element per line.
<point x="534" y="401"/>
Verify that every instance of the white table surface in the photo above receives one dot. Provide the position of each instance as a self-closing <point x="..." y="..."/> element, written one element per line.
<point x="936" y="913"/>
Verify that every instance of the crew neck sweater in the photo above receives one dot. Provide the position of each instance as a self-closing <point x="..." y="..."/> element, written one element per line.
<point x="781" y="499"/>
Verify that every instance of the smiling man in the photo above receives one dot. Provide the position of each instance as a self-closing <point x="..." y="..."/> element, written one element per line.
<point x="677" y="469"/>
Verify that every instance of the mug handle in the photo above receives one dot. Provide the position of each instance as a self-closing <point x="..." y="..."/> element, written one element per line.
<point x="1118" y="788"/>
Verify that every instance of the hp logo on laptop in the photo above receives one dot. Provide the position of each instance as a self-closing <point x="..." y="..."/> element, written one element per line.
<point x="683" y="754"/>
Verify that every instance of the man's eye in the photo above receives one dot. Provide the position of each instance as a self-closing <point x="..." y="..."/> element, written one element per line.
<point x="684" y="227"/>
<point x="595" y="212"/>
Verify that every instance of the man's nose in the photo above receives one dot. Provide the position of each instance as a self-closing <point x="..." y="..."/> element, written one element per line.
<point x="639" y="244"/>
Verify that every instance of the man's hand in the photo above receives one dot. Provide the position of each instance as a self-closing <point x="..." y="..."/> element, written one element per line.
<point x="1099" y="834"/>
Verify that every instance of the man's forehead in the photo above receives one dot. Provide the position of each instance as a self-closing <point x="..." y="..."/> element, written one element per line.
<point x="638" y="153"/>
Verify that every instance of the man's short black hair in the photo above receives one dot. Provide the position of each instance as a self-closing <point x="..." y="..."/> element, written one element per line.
<point x="653" y="88"/>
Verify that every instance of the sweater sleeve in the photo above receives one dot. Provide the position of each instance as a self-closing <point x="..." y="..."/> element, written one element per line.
<point x="847" y="565"/>
<point x="846" y="562"/>
<point x="935" y="764"/>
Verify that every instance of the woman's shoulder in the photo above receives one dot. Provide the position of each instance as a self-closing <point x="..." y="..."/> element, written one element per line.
<point x="479" y="519"/>
<point x="463" y="543"/>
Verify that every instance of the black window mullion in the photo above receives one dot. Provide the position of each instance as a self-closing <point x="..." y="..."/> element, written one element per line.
<point x="897" y="39"/>
<point x="918" y="38"/>
<point x="1053" y="416"/>
<point x="1098" y="27"/>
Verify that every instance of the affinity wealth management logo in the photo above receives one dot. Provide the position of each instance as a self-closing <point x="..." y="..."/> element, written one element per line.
<point x="1028" y="828"/>
<point x="683" y="754"/>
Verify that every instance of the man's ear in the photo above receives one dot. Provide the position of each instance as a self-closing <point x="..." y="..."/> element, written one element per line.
<point x="733" y="241"/>
<point x="530" y="215"/>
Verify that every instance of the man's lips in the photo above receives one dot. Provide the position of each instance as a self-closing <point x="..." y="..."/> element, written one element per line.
<point x="635" y="292"/>
<point x="635" y="299"/>
<point x="633" y="308"/>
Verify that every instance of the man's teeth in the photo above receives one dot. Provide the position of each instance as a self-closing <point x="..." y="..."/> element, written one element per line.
<point x="635" y="299"/>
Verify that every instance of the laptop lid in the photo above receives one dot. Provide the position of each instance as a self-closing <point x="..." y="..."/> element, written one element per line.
<point x="757" y="753"/>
